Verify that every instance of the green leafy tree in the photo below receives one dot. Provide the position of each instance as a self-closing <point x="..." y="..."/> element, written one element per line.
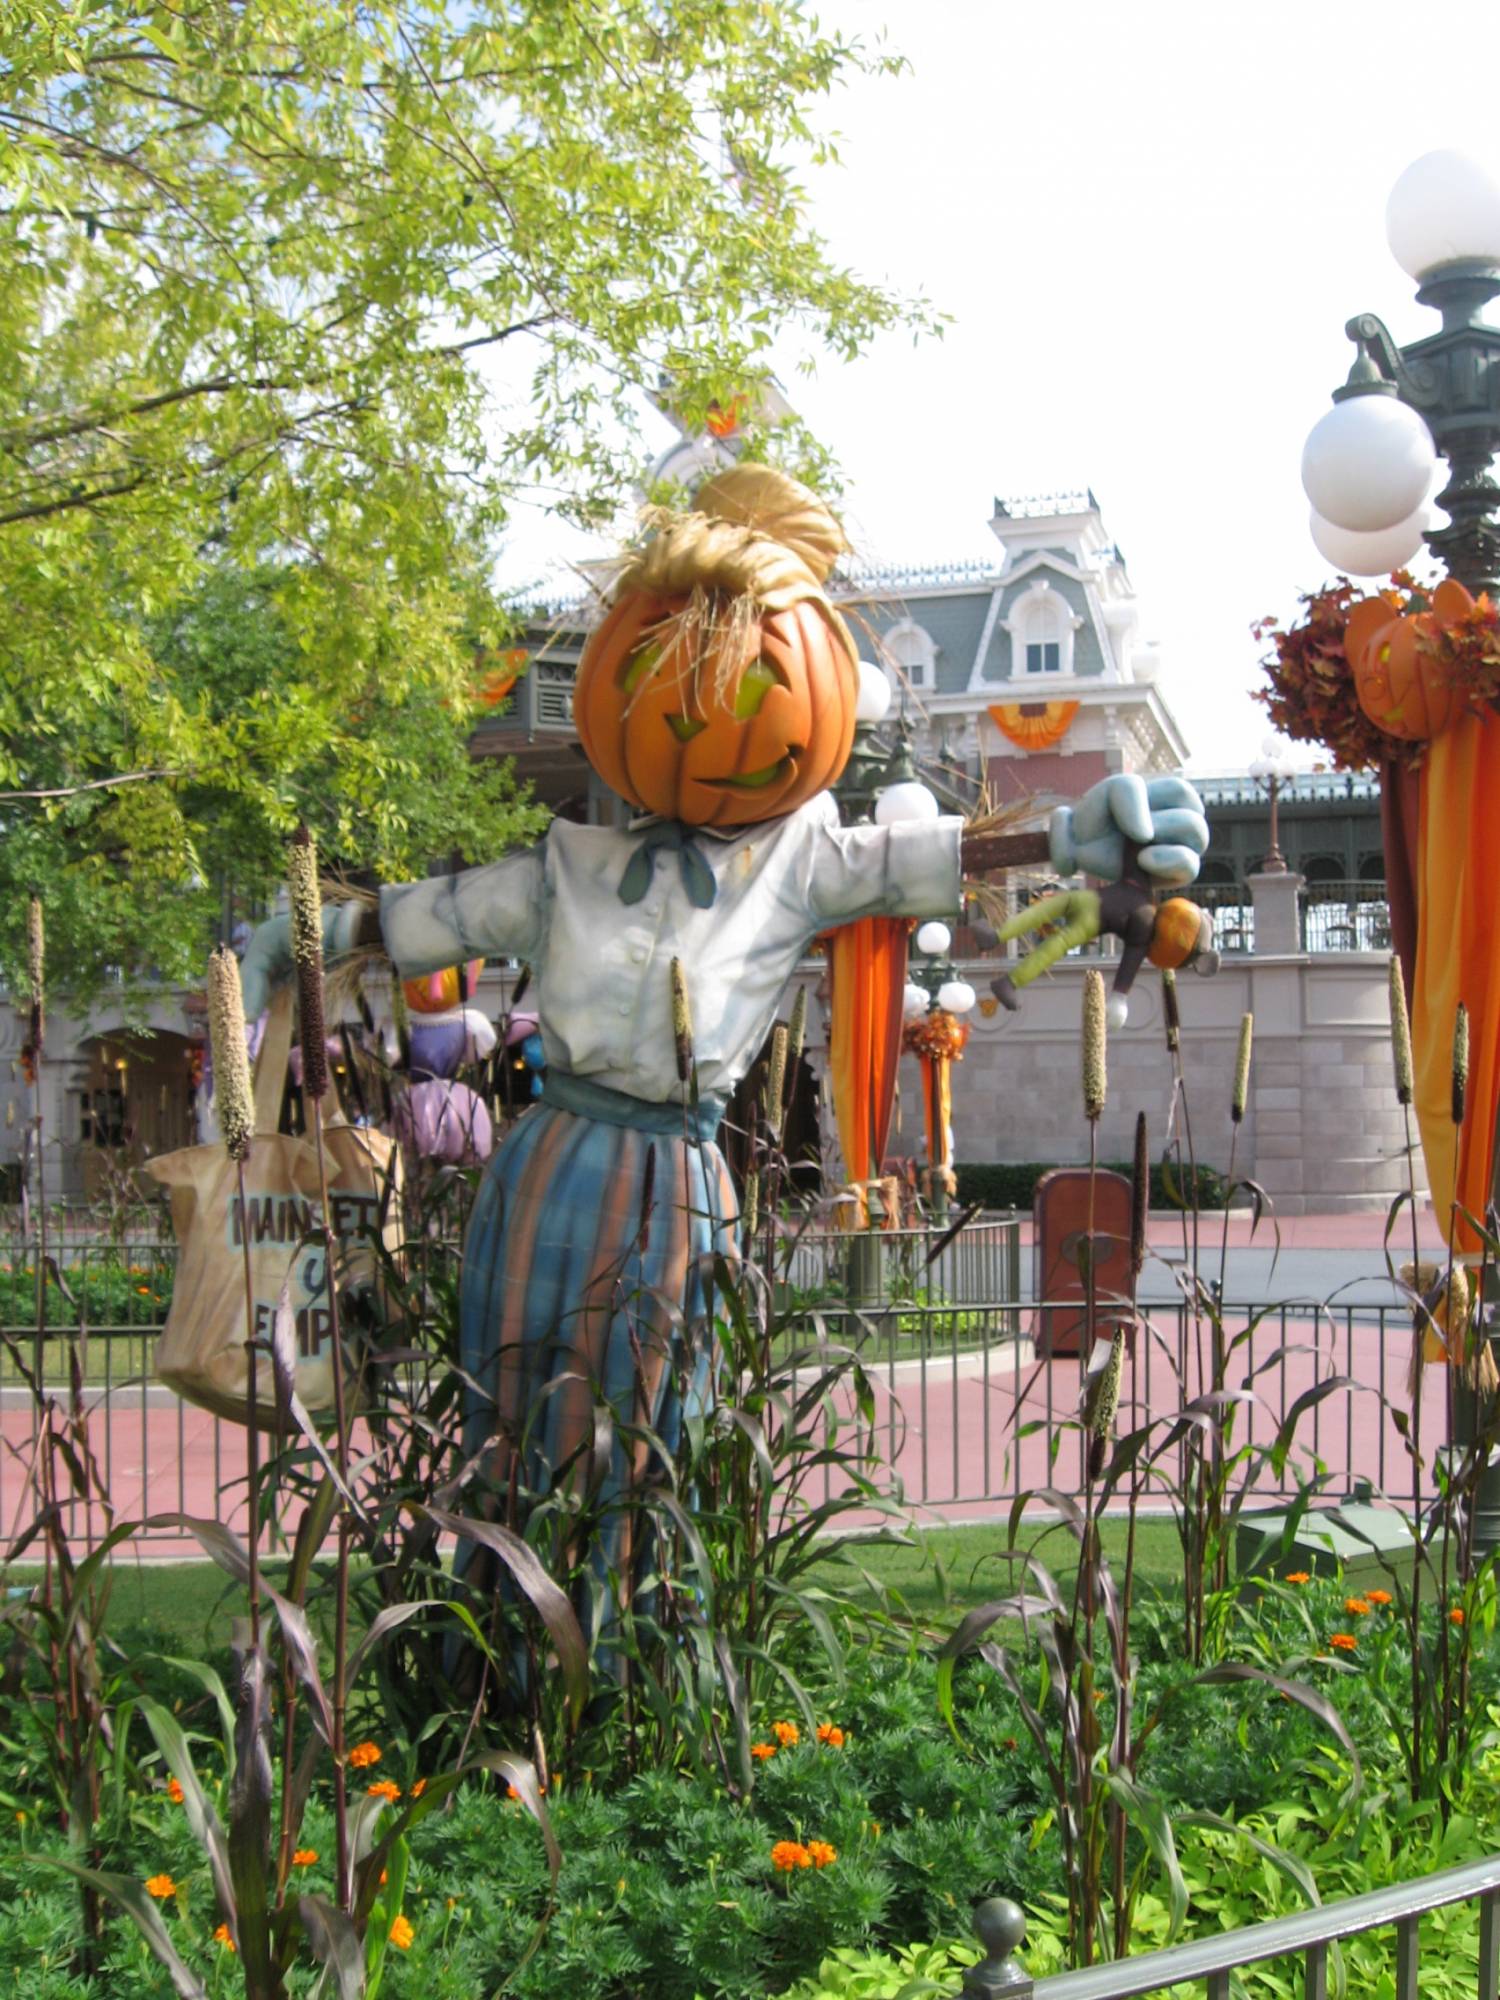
<point x="299" y="297"/>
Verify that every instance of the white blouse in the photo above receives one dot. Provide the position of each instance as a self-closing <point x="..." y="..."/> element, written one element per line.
<point x="602" y="966"/>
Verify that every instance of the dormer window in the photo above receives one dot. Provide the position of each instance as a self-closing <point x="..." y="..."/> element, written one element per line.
<point x="1041" y="626"/>
<point x="914" y="655"/>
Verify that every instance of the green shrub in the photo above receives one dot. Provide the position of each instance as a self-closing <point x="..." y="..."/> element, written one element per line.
<point x="1004" y="1184"/>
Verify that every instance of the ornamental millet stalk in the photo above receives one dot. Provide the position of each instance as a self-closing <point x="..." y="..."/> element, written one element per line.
<point x="1242" y="1069"/>
<point x="1094" y="1031"/>
<point x="36" y="959"/>
<point x="233" y="1098"/>
<point x="682" y="1022"/>
<point x="1460" y="1063"/>
<point x="1400" y="1032"/>
<point x="307" y="956"/>
<point x="1169" y="1009"/>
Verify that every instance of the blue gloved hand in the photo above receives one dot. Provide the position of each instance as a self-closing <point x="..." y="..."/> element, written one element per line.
<point x="1163" y="815"/>
<point x="268" y="956"/>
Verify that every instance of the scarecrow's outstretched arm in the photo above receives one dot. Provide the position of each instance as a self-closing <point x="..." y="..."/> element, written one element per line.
<point x="1076" y="915"/>
<point x="1161" y="817"/>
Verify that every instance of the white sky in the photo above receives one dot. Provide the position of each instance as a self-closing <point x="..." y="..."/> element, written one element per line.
<point x="1149" y="223"/>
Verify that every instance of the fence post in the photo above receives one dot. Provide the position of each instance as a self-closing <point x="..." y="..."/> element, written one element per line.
<point x="1000" y="1926"/>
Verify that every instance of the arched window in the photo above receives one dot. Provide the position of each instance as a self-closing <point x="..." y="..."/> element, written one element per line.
<point x="1044" y="640"/>
<point x="911" y="651"/>
<point x="1041" y="625"/>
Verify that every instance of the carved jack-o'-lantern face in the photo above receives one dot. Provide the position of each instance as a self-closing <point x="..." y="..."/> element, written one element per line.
<point x="1401" y="687"/>
<point x="676" y="727"/>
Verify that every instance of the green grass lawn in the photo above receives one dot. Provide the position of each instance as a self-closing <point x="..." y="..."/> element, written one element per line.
<point x="940" y="1576"/>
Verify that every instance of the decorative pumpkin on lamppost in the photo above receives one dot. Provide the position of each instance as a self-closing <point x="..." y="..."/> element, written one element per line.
<point x="719" y="695"/>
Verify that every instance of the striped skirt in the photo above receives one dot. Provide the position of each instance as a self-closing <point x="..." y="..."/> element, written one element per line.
<point x="587" y="1285"/>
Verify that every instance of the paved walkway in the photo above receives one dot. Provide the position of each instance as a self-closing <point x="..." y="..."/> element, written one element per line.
<point x="970" y="1430"/>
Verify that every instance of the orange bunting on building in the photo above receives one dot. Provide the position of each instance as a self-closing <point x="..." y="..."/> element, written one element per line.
<point x="497" y="681"/>
<point x="1033" y="725"/>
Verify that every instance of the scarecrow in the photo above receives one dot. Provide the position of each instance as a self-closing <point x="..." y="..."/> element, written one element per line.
<point x="717" y="697"/>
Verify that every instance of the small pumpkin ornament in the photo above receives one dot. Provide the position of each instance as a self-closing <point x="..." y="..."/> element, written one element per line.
<point x="720" y="687"/>
<point x="1402" y="688"/>
<point x="1177" y="933"/>
<point x="437" y="992"/>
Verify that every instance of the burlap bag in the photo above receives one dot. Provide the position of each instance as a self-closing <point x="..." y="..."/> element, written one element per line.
<point x="201" y="1353"/>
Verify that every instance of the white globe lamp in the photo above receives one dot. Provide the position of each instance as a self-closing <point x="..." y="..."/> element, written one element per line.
<point x="956" y="996"/>
<point x="1373" y="554"/>
<point x="934" y="939"/>
<point x="873" y="701"/>
<point x="914" y="999"/>
<point x="905" y="800"/>
<point x="1117" y="1010"/>
<point x="1368" y="463"/>
<point x="1445" y="209"/>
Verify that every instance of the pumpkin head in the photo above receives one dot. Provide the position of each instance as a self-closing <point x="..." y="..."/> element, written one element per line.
<point x="720" y="724"/>
<point x="720" y="687"/>
<point x="1401" y="687"/>
<point x="438" y="991"/>
<point x="1179" y="934"/>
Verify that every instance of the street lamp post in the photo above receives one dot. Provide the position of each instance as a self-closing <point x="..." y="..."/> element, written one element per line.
<point x="935" y="987"/>
<point x="1273" y="768"/>
<point x="1368" y="464"/>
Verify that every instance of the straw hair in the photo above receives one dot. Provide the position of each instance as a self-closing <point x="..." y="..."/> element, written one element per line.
<point x="233" y="1098"/>
<point x="1460" y="1063"/>
<point x="1242" y="1068"/>
<point x="1094" y="1036"/>
<point x="776" y="1077"/>
<point x="1400" y="1032"/>
<point x="682" y="1022"/>
<point x="307" y="956"/>
<point x="1169" y="1009"/>
<point x="755" y="542"/>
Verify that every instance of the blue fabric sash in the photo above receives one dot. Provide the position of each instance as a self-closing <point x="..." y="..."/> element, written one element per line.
<point x="587" y="1099"/>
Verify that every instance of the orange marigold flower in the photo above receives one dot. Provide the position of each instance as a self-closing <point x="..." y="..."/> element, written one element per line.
<point x="1342" y="1642"/>
<point x="160" y="1886"/>
<point x="1357" y="1607"/>
<point x="225" y="1937"/>
<point x="786" y="1734"/>
<point x="1381" y="1597"/>
<point x="384" y="1788"/>
<point x="829" y="1732"/>
<point x="1298" y="1576"/>
<point x="174" y="1791"/>
<point x="512" y="1793"/>
<point x="363" y="1755"/>
<point x="789" y="1854"/>
<point x="765" y="1751"/>
<point x="418" y="1788"/>
<point x="1456" y="1615"/>
<point x="143" y="1291"/>
<point x="304" y="1857"/>
<point x="821" y="1854"/>
<point x="402" y="1934"/>
<point x="384" y="1877"/>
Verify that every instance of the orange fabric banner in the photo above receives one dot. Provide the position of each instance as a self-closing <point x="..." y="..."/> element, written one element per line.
<point x="1458" y="958"/>
<point x="1034" y="725"/>
<point x="867" y="978"/>
<point x="937" y="1102"/>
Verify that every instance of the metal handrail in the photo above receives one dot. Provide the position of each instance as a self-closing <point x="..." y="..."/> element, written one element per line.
<point x="1001" y="1928"/>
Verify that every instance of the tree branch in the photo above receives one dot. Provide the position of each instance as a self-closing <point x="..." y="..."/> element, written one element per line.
<point x="92" y="785"/>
